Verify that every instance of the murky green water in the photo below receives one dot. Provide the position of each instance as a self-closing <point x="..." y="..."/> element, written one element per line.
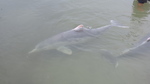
<point x="24" y="23"/>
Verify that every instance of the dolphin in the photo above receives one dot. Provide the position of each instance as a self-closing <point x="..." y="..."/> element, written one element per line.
<point x="141" y="50"/>
<point x="80" y="34"/>
<point x="143" y="39"/>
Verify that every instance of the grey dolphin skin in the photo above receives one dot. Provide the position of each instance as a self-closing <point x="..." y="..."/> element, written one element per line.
<point x="141" y="50"/>
<point x="80" y="34"/>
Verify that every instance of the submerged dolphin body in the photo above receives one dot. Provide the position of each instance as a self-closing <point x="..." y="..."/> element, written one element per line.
<point x="141" y="50"/>
<point x="80" y="34"/>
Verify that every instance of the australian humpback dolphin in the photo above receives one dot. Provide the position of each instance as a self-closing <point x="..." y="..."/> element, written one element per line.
<point x="80" y="34"/>
<point x="141" y="50"/>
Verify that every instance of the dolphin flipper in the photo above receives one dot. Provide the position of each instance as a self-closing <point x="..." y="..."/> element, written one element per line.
<point x="65" y="50"/>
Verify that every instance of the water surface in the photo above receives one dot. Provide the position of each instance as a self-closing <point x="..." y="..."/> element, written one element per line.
<point x="24" y="23"/>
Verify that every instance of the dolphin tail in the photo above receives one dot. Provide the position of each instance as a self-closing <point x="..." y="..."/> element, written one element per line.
<point x="108" y="56"/>
<point x="114" y="23"/>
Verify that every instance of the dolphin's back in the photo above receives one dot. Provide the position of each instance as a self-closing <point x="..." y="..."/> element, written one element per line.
<point x="72" y="35"/>
<point x="139" y="51"/>
<point x="68" y="37"/>
<point x="77" y="34"/>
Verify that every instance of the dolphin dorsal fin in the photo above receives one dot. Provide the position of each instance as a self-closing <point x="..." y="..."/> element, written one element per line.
<point x="148" y="39"/>
<point x="79" y="28"/>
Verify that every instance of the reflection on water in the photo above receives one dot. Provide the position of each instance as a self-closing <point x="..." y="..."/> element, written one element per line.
<point x="23" y="24"/>
<point x="140" y="13"/>
<point x="139" y="21"/>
